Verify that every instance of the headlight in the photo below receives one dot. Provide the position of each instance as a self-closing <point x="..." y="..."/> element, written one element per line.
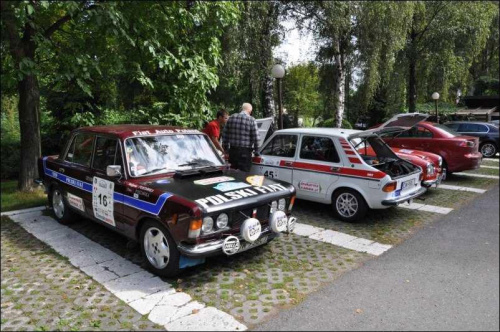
<point x="222" y="220"/>
<point x="440" y="161"/>
<point x="274" y="206"/>
<point x="281" y="204"/>
<point x="430" y="169"/>
<point x="208" y="224"/>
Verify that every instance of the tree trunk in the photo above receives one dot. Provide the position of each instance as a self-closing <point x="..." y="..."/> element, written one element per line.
<point x="267" y="97"/>
<point x="412" y="79"/>
<point x="29" y="121"/>
<point x="339" y="87"/>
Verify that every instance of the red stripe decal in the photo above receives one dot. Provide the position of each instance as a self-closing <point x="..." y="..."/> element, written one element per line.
<point x="257" y="160"/>
<point x="350" y="152"/>
<point x="355" y="160"/>
<point x="342" y="171"/>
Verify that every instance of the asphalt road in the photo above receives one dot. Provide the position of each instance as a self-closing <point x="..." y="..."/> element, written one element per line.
<point x="446" y="277"/>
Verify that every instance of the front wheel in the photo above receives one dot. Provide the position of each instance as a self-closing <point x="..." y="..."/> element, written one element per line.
<point x="488" y="149"/>
<point x="159" y="249"/>
<point x="349" y="205"/>
<point x="62" y="212"/>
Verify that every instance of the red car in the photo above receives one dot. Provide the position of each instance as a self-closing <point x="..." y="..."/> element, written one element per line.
<point x="459" y="152"/>
<point x="430" y="163"/>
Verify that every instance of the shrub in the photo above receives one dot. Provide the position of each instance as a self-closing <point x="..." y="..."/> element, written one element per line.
<point x="330" y="123"/>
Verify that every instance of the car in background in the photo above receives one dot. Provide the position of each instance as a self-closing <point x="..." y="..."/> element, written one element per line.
<point x="459" y="152"/>
<point x="489" y="141"/>
<point x="168" y="189"/>
<point x="495" y="122"/>
<point x="325" y="166"/>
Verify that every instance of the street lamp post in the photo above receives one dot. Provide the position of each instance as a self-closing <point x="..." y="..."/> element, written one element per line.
<point x="435" y="96"/>
<point x="278" y="73"/>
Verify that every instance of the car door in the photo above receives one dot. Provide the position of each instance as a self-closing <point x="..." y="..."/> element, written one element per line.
<point x="106" y="204"/>
<point x="312" y="170"/>
<point x="277" y="157"/>
<point x="75" y="172"/>
<point x="418" y="138"/>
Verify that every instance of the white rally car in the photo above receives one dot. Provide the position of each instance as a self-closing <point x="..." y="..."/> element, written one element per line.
<point x="327" y="165"/>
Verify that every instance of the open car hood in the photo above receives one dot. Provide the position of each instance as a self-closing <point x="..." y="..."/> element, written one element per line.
<point x="396" y="124"/>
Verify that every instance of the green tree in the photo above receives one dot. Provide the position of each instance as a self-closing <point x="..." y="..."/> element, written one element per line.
<point x="171" y="49"/>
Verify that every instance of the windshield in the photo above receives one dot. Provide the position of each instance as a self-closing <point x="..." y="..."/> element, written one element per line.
<point x="445" y="131"/>
<point x="168" y="153"/>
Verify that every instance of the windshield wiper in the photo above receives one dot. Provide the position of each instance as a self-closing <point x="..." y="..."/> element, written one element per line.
<point x="153" y="171"/>
<point x="188" y="164"/>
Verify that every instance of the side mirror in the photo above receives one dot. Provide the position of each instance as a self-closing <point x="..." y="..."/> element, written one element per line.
<point x="114" y="170"/>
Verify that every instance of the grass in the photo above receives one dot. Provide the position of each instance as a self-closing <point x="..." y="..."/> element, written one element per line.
<point x="12" y="199"/>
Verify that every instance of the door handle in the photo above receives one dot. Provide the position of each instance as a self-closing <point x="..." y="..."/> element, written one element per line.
<point x="61" y="170"/>
<point x="335" y="168"/>
<point x="288" y="163"/>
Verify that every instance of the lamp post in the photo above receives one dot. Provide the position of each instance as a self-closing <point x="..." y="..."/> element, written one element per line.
<point x="278" y="73"/>
<point x="435" y="96"/>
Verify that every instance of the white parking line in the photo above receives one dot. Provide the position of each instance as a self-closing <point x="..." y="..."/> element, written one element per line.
<point x="491" y="159"/>
<point x="490" y="167"/>
<point x="478" y="175"/>
<point x="143" y="291"/>
<point x="426" y="207"/>
<point x="341" y="239"/>
<point x="469" y="189"/>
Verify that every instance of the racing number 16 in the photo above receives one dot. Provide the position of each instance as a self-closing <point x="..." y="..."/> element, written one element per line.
<point x="103" y="200"/>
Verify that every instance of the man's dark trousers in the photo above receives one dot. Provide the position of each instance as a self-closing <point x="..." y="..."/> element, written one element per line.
<point x="240" y="158"/>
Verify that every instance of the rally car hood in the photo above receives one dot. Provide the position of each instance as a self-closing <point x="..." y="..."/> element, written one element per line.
<point x="223" y="190"/>
<point x="397" y="124"/>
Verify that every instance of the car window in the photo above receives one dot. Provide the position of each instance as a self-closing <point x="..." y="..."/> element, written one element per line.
<point x="80" y="151"/>
<point x="281" y="146"/>
<point x="105" y="153"/>
<point x="417" y="132"/>
<point x="318" y="148"/>
<point x="169" y="153"/>
<point x="453" y="126"/>
<point x="473" y="128"/>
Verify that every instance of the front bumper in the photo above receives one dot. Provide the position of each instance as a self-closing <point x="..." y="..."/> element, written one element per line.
<point x="214" y="248"/>
<point x="399" y="200"/>
<point x="437" y="181"/>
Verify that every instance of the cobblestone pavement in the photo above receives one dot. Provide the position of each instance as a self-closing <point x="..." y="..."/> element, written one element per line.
<point x="43" y="291"/>
<point x="251" y="286"/>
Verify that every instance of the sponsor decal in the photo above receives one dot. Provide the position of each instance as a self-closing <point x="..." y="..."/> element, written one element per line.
<point x="270" y="162"/>
<point x="141" y="192"/>
<point x="278" y="221"/>
<point x="102" y="200"/>
<point x="255" y="180"/>
<point x="164" y="131"/>
<point x="215" y="200"/>
<point x="206" y="182"/>
<point x="309" y="186"/>
<point x="406" y="151"/>
<point x="76" y="202"/>
<point x="231" y="245"/>
<point x="228" y="186"/>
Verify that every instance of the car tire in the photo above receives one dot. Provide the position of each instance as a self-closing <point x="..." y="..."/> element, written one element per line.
<point x="159" y="249"/>
<point x="348" y="205"/>
<point x="63" y="213"/>
<point x="488" y="149"/>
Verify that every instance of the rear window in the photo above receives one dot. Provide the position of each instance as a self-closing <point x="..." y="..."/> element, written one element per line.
<point x="445" y="131"/>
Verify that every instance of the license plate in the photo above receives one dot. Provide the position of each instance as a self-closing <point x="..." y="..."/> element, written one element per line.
<point x="249" y="245"/>
<point x="407" y="184"/>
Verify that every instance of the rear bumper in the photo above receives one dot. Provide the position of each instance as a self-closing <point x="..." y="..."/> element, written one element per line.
<point x="399" y="200"/>
<point x="466" y="162"/>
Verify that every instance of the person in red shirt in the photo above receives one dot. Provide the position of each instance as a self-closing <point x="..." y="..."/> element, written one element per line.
<point x="213" y="128"/>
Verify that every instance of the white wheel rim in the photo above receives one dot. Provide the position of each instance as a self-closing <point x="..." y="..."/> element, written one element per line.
<point x="347" y="205"/>
<point x="488" y="150"/>
<point x="58" y="203"/>
<point x="156" y="248"/>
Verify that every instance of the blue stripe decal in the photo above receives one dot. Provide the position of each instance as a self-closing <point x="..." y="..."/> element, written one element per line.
<point x="153" y="208"/>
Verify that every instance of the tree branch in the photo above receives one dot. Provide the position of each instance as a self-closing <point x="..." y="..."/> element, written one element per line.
<point x="15" y="43"/>
<point x="421" y="33"/>
<point x="57" y="24"/>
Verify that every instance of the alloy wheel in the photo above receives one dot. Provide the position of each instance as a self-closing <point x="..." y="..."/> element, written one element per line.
<point x="156" y="248"/>
<point x="347" y="205"/>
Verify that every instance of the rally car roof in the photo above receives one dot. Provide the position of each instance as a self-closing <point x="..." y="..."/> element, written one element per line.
<point x="340" y="132"/>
